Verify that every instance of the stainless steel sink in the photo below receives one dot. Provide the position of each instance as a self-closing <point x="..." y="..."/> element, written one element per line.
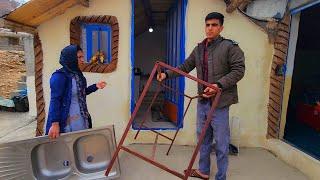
<point x="91" y="156"/>
<point x="78" y="155"/>
<point x="51" y="160"/>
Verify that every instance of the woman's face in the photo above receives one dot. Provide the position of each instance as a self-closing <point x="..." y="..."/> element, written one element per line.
<point x="80" y="58"/>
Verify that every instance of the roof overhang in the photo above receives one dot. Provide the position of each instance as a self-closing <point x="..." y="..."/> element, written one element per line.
<point x="29" y="16"/>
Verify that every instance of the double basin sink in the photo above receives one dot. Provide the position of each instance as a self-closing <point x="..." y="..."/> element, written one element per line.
<point x="77" y="155"/>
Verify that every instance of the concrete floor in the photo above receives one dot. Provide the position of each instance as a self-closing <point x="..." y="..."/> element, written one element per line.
<point x="251" y="164"/>
<point x="16" y="126"/>
<point x="150" y="122"/>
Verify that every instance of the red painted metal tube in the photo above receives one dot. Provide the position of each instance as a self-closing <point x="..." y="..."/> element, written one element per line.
<point x="120" y="146"/>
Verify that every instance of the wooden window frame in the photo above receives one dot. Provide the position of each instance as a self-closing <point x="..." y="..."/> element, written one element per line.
<point x="75" y="38"/>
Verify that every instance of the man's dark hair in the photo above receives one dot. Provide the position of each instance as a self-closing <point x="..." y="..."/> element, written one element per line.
<point x="215" y="15"/>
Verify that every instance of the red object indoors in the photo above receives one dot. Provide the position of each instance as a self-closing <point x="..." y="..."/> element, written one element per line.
<point x="309" y="114"/>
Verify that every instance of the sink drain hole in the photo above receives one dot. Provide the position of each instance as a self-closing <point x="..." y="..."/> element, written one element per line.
<point x="65" y="163"/>
<point x="90" y="158"/>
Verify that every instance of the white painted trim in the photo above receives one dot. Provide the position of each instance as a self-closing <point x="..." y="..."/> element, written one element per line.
<point x="30" y="67"/>
<point x="294" y="32"/>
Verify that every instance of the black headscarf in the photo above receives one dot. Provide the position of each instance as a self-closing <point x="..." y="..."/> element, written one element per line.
<point x="69" y="59"/>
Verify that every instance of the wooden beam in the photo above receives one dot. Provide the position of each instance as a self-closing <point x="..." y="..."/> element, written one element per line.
<point x="84" y="3"/>
<point x="17" y="27"/>
<point x="148" y="12"/>
<point x="55" y="11"/>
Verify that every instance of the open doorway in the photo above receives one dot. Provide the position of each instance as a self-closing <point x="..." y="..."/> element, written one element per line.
<point x="159" y="34"/>
<point x="303" y="113"/>
<point x="13" y="79"/>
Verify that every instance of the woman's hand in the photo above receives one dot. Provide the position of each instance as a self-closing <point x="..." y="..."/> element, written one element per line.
<point x="54" y="130"/>
<point x="101" y="84"/>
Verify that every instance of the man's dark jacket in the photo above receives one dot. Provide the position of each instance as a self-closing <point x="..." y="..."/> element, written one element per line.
<point x="225" y="67"/>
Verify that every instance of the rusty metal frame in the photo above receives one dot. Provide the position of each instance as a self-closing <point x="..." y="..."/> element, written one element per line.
<point x="151" y="160"/>
<point x="148" y="110"/>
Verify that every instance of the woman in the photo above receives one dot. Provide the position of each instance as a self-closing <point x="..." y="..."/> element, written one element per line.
<point x="68" y="107"/>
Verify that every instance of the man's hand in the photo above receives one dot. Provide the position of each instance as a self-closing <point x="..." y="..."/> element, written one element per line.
<point x="54" y="130"/>
<point x="101" y="84"/>
<point x="161" y="76"/>
<point x="209" y="92"/>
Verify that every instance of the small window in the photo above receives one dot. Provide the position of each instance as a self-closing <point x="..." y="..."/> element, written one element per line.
<point x="98" y="36"/>
<point x="96" y="43"/>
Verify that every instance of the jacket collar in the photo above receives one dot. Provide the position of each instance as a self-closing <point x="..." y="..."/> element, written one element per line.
<point x="212" y="43"/>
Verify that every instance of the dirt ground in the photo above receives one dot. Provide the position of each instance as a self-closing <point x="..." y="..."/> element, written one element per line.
<point x="12" y="68"/>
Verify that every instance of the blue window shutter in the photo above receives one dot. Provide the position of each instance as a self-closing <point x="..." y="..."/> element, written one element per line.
<point x="93" y="46"/>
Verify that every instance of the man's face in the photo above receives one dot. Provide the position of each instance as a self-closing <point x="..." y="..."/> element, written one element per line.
<point x="213" y="28"/>
<point x="80" y="58"/>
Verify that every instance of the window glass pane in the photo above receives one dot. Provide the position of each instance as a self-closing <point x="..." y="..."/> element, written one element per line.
<point x="95" y="46"/>
<point x="96" y="38"/>
<point x="105" y="45"/>
<point x="83" y="44"/>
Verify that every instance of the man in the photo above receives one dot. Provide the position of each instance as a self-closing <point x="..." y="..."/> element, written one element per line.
<point x="220" y="62"/>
